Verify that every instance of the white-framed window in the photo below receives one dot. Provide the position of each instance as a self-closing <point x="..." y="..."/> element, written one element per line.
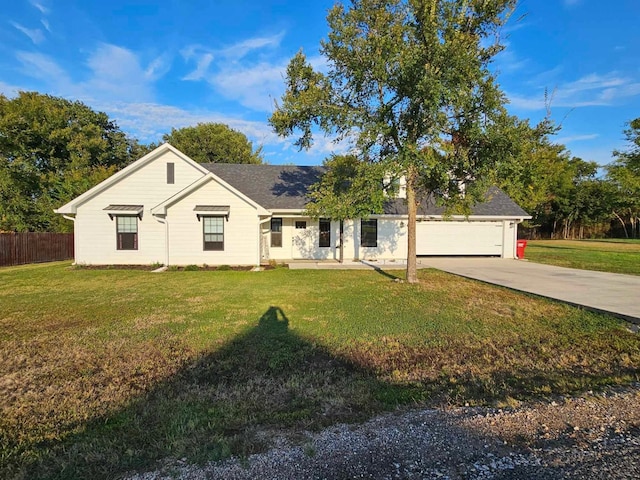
<point x="213" y="233"/>
<point x="127" y="232"/>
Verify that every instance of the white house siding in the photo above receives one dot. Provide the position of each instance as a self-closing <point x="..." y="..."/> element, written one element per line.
<point x="305" y="242"/>
<point x="278" y="253"/>
<point x="509" y="239"/>
<point x="96" y="233"/>
<point x="300" y="243"/>
<point x="391" y="244"/>
<point x="434" y="237"/>
<point x="241" y="231"/>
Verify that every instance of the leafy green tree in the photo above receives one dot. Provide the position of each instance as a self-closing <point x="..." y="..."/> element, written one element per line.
<point x="625" y="174"/>
<point x="560" y="192"/>
<point x="595" y="201"/>
<point x="527" y="163"/>
<point x="348" y="189"/>
<point x="409" y="82"/>
<point x="51" y="150"/>
<point x="214" y="143"/>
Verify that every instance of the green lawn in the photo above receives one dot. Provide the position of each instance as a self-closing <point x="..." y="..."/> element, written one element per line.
<point x="105" y="371"/>
<point x="611" y="255"/>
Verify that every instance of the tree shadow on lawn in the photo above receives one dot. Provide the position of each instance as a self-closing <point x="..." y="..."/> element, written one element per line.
<point x="222" y="404"/>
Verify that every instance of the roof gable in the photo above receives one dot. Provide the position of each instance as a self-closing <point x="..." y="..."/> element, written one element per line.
<point x="161" y="209"/>
<point x="71" y="206"/>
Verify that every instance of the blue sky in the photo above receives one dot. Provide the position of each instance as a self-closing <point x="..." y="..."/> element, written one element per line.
<point x="156" y="65"/>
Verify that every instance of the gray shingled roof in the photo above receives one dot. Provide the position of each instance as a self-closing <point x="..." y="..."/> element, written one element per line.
<point x="284" y="187"/>
<point x="271" y="186"/>
<point x="497" y="204"/>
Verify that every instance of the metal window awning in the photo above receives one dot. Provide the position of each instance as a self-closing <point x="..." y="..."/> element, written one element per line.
<point x="134" y="210"/>
<point x="212" y="211"/>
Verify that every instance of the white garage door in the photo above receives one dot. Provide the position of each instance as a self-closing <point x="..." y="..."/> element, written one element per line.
<point x="459" y="238"/>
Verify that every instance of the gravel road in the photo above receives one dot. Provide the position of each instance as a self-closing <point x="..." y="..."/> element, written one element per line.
<point x="596" y="436"/>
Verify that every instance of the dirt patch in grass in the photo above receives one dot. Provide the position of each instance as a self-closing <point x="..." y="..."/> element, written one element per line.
<point x="114" y="267"/>
<point x="191" y="365"/>
<point x="174" y="268"/>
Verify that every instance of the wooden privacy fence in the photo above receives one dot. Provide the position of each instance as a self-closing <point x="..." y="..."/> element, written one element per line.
<point x="32" y="247"/>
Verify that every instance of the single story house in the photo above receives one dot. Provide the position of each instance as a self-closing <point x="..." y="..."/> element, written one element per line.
<point x="165" y="208"/>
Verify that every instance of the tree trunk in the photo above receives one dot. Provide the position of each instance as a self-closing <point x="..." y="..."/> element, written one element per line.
<point x="412" y="208"/>
<point x="624" y="226"/>
<point x="341" y="241"/>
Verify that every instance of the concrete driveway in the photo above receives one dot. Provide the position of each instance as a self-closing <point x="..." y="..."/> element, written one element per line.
<point x="607" y="292"/>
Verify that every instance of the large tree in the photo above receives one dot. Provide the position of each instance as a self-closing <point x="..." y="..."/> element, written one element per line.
<point x="51" y="150"/>
<point x="409" y="82"/>
<point x="624" y="172"/>
<point x="543" y="178"/>
<point x="214" y="143"/>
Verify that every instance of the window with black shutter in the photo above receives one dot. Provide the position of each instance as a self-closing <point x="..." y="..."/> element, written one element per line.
<point x="325" y="233"/>
<point x="369" y="233"/>
<point x="276" y="232"/>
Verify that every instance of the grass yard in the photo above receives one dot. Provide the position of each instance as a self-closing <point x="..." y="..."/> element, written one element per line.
<point x="108" y="371"/>
<point x="610" y="255"/>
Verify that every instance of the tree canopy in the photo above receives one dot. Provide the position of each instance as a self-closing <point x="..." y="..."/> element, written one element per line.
<point x="51" y="150"/>
<point x="624" y="172"/>
<point x="408" y="81"/>
<point x="214" y="143"/>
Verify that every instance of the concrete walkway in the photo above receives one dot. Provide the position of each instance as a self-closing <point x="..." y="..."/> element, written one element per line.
<point x="606" y="292"/>
<point x="347" y="265"/>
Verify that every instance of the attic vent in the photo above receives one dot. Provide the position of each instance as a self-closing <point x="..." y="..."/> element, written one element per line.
<point x="171" y="173"/>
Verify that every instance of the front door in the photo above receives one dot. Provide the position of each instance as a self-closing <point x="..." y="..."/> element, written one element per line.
<point x="301" y="240"/>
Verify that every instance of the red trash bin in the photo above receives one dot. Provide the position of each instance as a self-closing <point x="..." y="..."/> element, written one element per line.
<point x="520" y="246"/>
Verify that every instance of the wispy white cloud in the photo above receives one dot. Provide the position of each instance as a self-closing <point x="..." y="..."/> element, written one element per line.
<point x="243" y="72"/>
<point x="34" y="34"/>
<point x="241" y="49"/>
<point x="113" y="72"/>
<point x="118" y="81"/>
<point x="158" y="67"/>
<point x="202" y="68"/>
<point x="254" y="87"/>
<point x="116" y="72"/>
<point x="522" y="102"/>
<point x="577" y="138"/>
<point x="44" y="10"/>
<point x="9" y="90"/>
<point x="508" y="60"/>
<point x="149" y="121"/>
<point x="45" y="24"/>
<point x="43" y="67"/>
<point x="590" y="90"/>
